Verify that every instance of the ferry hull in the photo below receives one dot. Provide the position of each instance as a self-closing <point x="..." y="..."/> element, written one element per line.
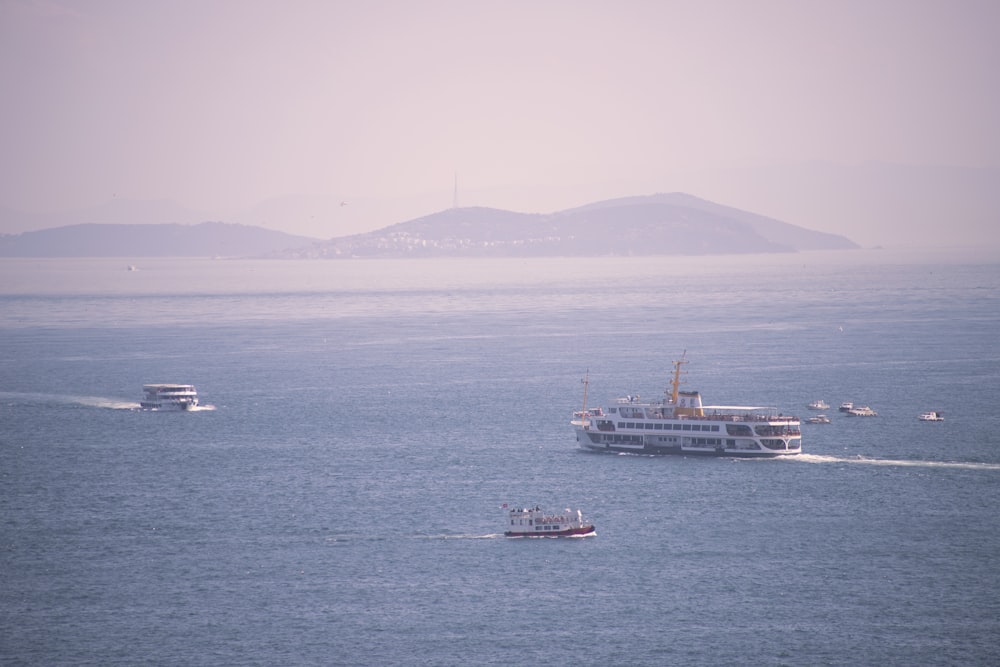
<point x="790" y="448"/>
<point x="168" y="407"/>
<point x="570" y="532"/>
<point x="674" y="451"/>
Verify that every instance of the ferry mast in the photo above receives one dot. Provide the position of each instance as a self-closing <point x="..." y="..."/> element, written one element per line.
<point x="676" y="381"/>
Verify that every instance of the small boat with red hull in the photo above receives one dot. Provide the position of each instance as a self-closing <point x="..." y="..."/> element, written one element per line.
<point x="535" y="522"/>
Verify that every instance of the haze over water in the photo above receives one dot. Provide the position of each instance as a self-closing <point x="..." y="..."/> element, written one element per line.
<point x="341" y="502"/>
<point x="876" y="121"/>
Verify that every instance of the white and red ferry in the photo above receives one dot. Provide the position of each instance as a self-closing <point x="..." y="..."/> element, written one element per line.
<point x="535" y="522"/>
<point x="680" y="424"/>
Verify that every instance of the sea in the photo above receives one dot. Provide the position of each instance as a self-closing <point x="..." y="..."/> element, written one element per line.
<point x="337" y="499"/>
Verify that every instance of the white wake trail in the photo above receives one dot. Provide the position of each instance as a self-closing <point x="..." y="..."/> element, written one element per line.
<point x="90" y="401"/>
<point x="817" y="458"/>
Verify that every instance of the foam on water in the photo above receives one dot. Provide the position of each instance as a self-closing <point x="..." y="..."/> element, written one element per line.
<point x="489" y="536"/>
<point x="966" y="465"/>
<point x="101" y="402"/>
<point x="39" y="398"/>
<point x="90" y="401"/>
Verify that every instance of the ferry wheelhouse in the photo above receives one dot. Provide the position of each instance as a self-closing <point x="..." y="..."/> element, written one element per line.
<point x="537" y="523"/>
<point x="168" y="397"/>
<point x="681" y="424"/>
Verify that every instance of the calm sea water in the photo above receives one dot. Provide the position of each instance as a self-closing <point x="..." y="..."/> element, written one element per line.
<point x="337" y="502"/>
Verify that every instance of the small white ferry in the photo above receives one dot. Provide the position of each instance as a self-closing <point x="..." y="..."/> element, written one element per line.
<point x="931" y="417"/>
<point x="536" y="523"/>
<point x="819" y="405"/>
<point x="680" y="424"/>
<point x="168" y="397"/>
<point x="862" y="411"/>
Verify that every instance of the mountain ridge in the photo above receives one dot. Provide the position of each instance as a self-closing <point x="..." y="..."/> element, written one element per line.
<point x="206" y="239"/>
<point x="658" y="224"/>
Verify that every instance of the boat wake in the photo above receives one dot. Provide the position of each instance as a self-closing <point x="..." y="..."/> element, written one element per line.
<point x="11" y="397"/>
<point x="381" y="538"/>
<point x="459" y="537"/>
<point x="817" y="458"/>
<point x="110" y="403"/>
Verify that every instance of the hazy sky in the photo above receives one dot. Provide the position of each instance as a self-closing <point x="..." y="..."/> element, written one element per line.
<point x="218" y="104"/>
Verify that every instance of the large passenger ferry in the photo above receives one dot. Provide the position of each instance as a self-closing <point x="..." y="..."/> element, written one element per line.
<point x="169" y="397"/>
<point x="680" y="424"/>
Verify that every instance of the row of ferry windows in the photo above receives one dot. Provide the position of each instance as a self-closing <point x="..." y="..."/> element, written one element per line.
<point x="666" y="427"/>
<point x="545" y="527"/>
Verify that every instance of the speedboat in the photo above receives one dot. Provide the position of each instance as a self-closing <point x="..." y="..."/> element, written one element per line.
<point x="931" y="417"/>
<point x="846" y="406"/>
<point x="818" y="419"/>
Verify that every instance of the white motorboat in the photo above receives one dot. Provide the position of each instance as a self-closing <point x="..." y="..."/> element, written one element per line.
<point x="169" y="397"/>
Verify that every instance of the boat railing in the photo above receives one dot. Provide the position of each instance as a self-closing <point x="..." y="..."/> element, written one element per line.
<point x="541" y="520"/>
<point x="749" y="417"/>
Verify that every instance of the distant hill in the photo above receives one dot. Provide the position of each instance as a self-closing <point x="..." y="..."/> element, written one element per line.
<point x="661" y="224"/>
<point x="208" y="239"/>
<point x="114" y="212"/>
<point x="775" y="231"/>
